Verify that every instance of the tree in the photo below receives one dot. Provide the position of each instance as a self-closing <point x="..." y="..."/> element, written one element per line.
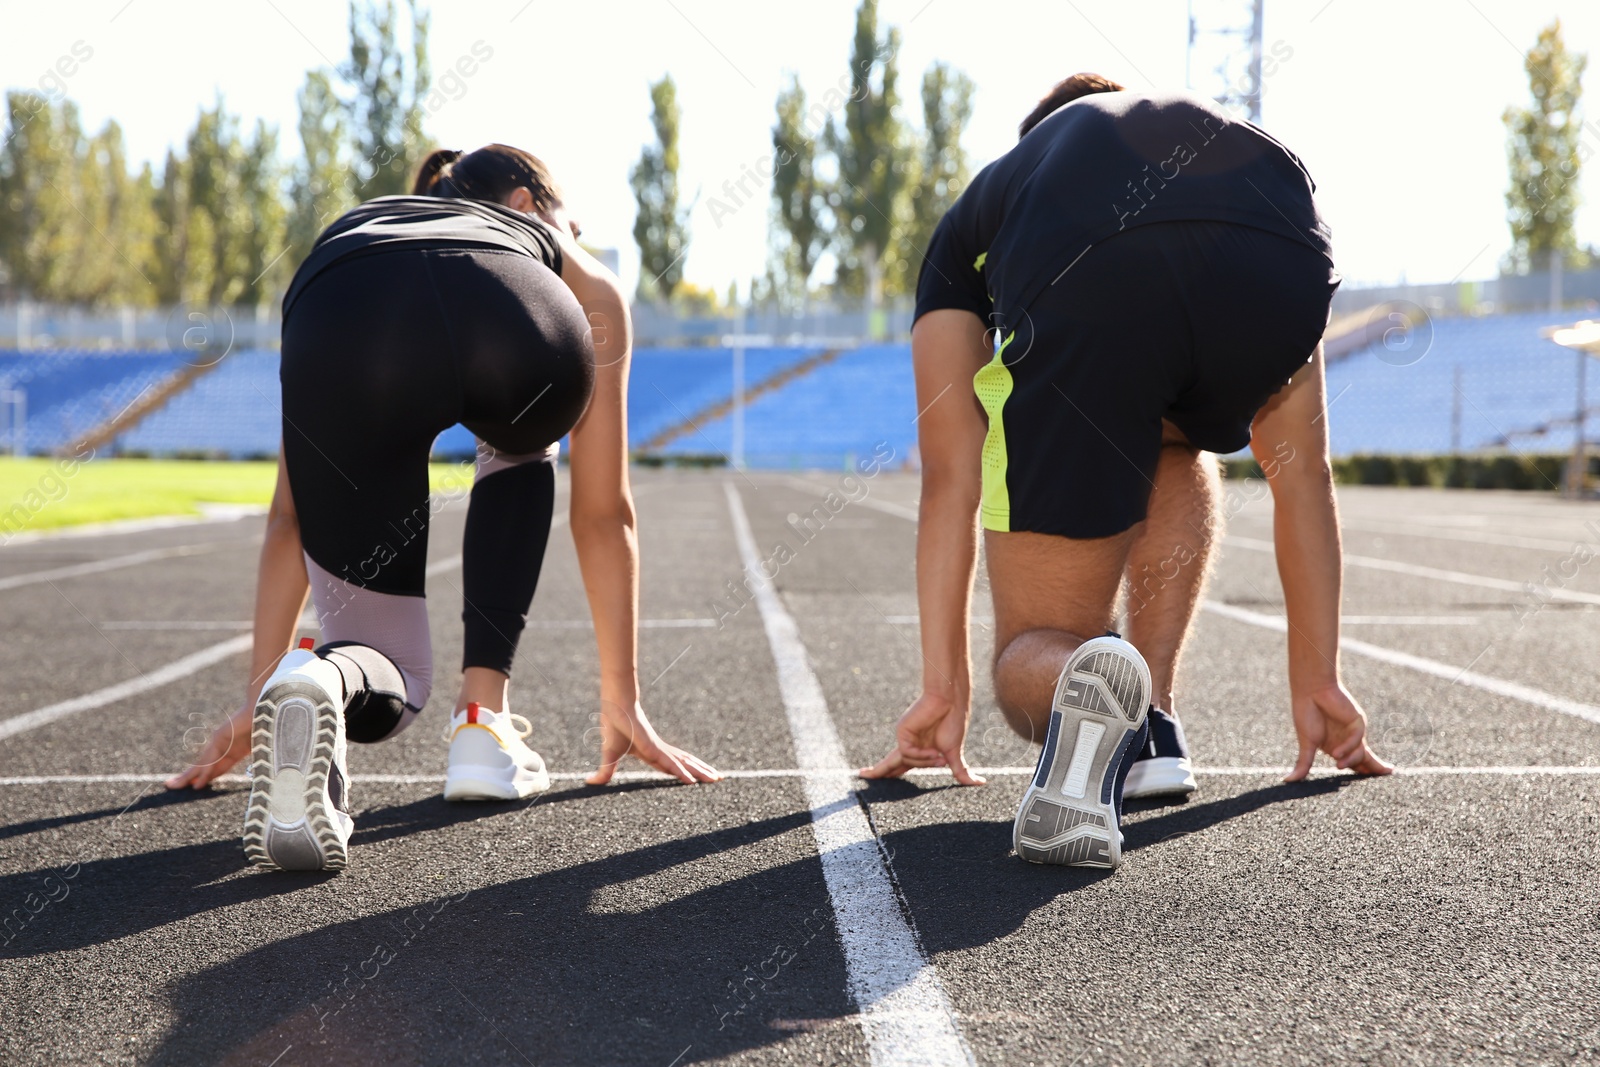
<point x="182" y="255"/>
<point x="386" y="114"/>
<point x="75" y="225"/>
<point x="114" y="251"/>
<point x="943" y="174"/>
<point x="1545" y="152"/>
<point x="40" y="230"/>
<point x="262" y="244"/>
<point x="221" y="217"/>
<point x="799" y="199"/>
<point x="217" y="204"/>
<point x="320" y="188"/>
<point x="661" y="228"/>
<point x="875" y="159"/>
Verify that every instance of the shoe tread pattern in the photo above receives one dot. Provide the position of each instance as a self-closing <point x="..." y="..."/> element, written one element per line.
<point x="1121" y="679"/>
<point x="320" y="829"/>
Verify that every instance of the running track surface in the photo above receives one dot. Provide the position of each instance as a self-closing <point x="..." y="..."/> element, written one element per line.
<point x="794" y="914"/>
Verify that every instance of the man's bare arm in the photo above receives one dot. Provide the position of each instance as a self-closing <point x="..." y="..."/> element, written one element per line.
<point x="1290" y="440"/>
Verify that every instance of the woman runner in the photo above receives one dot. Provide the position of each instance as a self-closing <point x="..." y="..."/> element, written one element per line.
<point x="472" y="302"/>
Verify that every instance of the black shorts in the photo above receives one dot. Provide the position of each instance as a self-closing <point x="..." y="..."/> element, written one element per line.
<point x="1196" y="322"/>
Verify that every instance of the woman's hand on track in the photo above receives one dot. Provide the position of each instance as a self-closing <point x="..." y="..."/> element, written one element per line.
<point x="227" y="745"/>
<point x="626" y="731"/>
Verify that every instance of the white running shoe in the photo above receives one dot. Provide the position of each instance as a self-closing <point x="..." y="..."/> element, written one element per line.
<point x="1072" y="811"/>
<point x="488" y="759"/>
<point x="298" y="816"/>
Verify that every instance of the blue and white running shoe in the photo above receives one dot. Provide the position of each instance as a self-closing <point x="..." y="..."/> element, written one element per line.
<point x="1072" y="811"/>
<point x="1162" y="768"/>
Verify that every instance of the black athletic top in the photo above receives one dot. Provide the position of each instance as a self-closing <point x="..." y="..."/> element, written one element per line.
<point x="1094" y="167"/>
<point x="390" y="222"/>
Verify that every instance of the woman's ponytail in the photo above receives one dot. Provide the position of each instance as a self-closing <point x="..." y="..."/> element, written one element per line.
<point x="489" y="173"/>
<point x="433" y="172"/>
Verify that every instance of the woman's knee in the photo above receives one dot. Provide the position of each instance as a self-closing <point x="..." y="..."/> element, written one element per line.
<point x="381" y="698"/>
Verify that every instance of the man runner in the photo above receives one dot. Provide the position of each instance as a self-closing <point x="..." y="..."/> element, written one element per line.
<point x="1141" y="281"/>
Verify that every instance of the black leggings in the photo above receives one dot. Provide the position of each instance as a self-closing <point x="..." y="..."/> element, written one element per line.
<point x="381" y="353"/>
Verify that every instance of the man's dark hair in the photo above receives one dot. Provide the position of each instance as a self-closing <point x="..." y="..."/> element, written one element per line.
<point x="1066" y="91"/>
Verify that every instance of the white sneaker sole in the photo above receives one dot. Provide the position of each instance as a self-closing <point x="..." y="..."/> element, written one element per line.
<point x="291" y="823"/>
<point x="1068" y="815"/>
<point x="1164" y="776"/>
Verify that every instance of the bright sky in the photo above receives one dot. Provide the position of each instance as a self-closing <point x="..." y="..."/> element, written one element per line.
<point x="1393" y="104"/>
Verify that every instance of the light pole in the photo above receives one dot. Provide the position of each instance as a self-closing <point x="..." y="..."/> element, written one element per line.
<point x="1583" y="338"/>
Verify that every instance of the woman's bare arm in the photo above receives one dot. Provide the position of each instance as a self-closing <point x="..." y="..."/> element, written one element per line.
<point x="604" y="528"/>
<point x="281" y="588"/>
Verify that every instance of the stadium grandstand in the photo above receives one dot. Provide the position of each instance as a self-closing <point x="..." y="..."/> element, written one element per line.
<point x="1402" y="380"/>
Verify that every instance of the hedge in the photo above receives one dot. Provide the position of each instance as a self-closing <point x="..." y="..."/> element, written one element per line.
<point x="681" y="459"/>
<point x="1439" y="472"/>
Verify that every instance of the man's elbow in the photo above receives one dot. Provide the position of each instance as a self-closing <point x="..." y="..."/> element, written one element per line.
<point x="951" y="479"/>
<point x="1308" y="475"/>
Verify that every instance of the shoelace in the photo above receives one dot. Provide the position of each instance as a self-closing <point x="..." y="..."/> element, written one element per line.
<point x="519" y="724"/>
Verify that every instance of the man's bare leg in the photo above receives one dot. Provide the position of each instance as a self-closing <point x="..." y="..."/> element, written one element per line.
<point x="1050" y="595"/>
<point x="1170" y="560"/>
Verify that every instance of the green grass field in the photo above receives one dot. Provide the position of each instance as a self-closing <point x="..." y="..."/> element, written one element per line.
<point x="43" y="494"/>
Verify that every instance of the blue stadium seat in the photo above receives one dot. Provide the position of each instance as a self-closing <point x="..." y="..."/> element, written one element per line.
<point x="70" y="393"/>
<point x="1512" y="381"/>
<point x="667" y="386"/>
<point x="845" y="408"/>
<point x="1516" y="390"/>
<point x="233" y="411"/>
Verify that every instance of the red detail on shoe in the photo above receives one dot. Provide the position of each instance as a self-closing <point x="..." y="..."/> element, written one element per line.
<point x="472" y="712"/>
<point x="306" y="642"/>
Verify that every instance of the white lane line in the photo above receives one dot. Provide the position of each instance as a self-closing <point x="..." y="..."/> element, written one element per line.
<point x="644" y="624"/>
<point x="913" y="620"/>
<point x="1474" y="537"/>
<point x="450" y="563"/>
<point x="179" y="668"/>
<point x="1531" y="771"/>
<point x="905" y="1013"/>
<point x="209" y="513"/>
<point x="100" y="566"/>
<point x="1349" y="620"/>
<point x="899" y="511"/>
<point x="159" y="624"/>
<point x="311" y="623"/>
<point x="1498" y="686"/>
<point x="1416" y="571"/>
<point x="1410" y="620"/>
<point x="1449" y="673"/>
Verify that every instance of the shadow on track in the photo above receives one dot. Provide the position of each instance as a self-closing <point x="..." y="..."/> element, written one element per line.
<point x="637" y="957"/>
<point x="576" y="964"/>
<point x="148" y="802"/>
<point x="91" y="901"/>
<point x="547" y="968"/>
<point x="967" y="888"/>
